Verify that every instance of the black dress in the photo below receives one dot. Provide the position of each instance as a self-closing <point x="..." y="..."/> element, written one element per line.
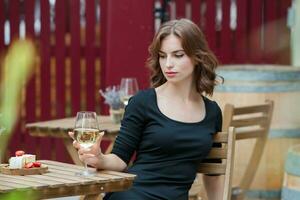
<point x="167" y="151"/>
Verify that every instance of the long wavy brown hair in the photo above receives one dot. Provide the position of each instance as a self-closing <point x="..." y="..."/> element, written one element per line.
<point x="195" y="46"/>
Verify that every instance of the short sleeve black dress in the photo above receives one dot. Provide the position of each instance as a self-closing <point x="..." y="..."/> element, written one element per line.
<point x="167" y="151"/>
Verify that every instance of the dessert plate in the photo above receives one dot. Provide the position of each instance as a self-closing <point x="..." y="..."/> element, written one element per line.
<point x="4" y="169"/>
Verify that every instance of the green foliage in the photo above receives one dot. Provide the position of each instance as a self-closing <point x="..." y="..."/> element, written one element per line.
<point x="19" y="194"/>
<point x="17" y="67"/>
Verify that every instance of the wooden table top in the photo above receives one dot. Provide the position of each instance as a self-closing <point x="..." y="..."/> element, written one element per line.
<point x="59" y="127"/>
<point x="60" y="181"/>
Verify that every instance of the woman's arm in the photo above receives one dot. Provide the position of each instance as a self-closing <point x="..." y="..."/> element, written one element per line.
<point x="111" y="162"/>
<point x="214" y="186"/>
<point x="126" y="143"/>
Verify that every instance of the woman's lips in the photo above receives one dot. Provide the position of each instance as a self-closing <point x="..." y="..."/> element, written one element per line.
<point x="171" y="74"/>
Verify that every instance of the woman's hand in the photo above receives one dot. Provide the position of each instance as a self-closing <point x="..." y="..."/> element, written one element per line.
<point x="94" y="157"/>
<point x="91" y="156"/>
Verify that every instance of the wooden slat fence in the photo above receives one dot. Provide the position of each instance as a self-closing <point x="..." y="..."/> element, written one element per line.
<point x="30" y="96"/>
<point x="68" y="70"/>
<point x="45" y="102"/>
<point x="66" y="35"/>
<point x="240" y="31"/>
<point x="14" y="30"/>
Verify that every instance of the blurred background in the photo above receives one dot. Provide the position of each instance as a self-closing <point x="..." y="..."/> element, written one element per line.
<point x="86" y="45"/>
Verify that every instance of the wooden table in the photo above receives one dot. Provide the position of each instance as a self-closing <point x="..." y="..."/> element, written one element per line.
<point x="59" y="128"/>
<point x="61" y="181"/>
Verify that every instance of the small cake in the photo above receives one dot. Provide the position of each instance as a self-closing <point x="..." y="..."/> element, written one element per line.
<point x="21" y="160"/>
<point x="29" y="158"/>
<point x="17" y="162"/>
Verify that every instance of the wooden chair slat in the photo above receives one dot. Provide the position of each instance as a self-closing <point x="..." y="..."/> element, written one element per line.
<point x="221" y="137"/>
<point x="251" y="134"/>
<point x="216" y="153"/>
<point x="262" y="108"/>
<point x="262" y="121"/>
<point x="212" y="168"/>
<point x="229" y="163"/>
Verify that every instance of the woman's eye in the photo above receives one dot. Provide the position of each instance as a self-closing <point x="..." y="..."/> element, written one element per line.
<point x="161" y="56"/>
<point x="179" y="55"/>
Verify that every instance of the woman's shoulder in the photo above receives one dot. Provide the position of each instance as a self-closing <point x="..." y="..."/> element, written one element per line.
<point x="212" y="105"/>
<point x="215" y="112"/>
<point x="210" y="102"/>
<point x="142" y="96"/>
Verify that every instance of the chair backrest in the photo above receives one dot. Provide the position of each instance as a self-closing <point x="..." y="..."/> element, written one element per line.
<point x="224" y="152"/>
<point x="250" y="122"/>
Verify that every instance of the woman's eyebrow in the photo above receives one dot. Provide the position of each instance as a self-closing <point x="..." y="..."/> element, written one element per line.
<point x="176" y="51"/>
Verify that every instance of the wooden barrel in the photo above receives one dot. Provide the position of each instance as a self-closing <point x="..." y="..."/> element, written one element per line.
<point x="251" y="84"/>
<point x="291" y="181"/>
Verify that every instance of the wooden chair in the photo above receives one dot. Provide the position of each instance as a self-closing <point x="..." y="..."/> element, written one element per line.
<point x="250" y="122"/>
<point x="225" y="152"/>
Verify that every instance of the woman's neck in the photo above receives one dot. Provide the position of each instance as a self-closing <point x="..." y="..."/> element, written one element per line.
<point x="184" y="92"/>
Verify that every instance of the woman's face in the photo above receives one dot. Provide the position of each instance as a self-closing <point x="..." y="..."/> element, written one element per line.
<point x="175" y="64"/>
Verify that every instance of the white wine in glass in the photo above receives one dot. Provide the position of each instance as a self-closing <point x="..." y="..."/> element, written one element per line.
<point x="86" y="133"/>
<point x="128" y="88"/>
<point x="86" y="137"/>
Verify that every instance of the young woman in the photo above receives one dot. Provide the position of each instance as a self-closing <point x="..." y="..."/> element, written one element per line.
<point x="169" y="126"/>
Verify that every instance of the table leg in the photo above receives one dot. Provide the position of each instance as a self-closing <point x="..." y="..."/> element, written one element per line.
<point x="72" y="151"/>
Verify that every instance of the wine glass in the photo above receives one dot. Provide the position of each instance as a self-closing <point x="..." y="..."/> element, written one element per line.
<point x="86" y="132"/>
<point x="128" y="88"/>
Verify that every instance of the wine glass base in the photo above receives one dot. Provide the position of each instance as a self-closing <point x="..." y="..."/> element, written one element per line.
<point x="85" y="173"/>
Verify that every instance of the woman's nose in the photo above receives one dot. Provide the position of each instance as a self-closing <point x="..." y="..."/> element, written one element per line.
<point x="169" y="62"/>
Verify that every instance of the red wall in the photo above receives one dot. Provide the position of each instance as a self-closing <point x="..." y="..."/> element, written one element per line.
<point x="126" y="37"/>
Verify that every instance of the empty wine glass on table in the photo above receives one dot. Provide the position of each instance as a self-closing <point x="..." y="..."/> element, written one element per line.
<point x="86" y="132"/>
<point x="128" y="88"/>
